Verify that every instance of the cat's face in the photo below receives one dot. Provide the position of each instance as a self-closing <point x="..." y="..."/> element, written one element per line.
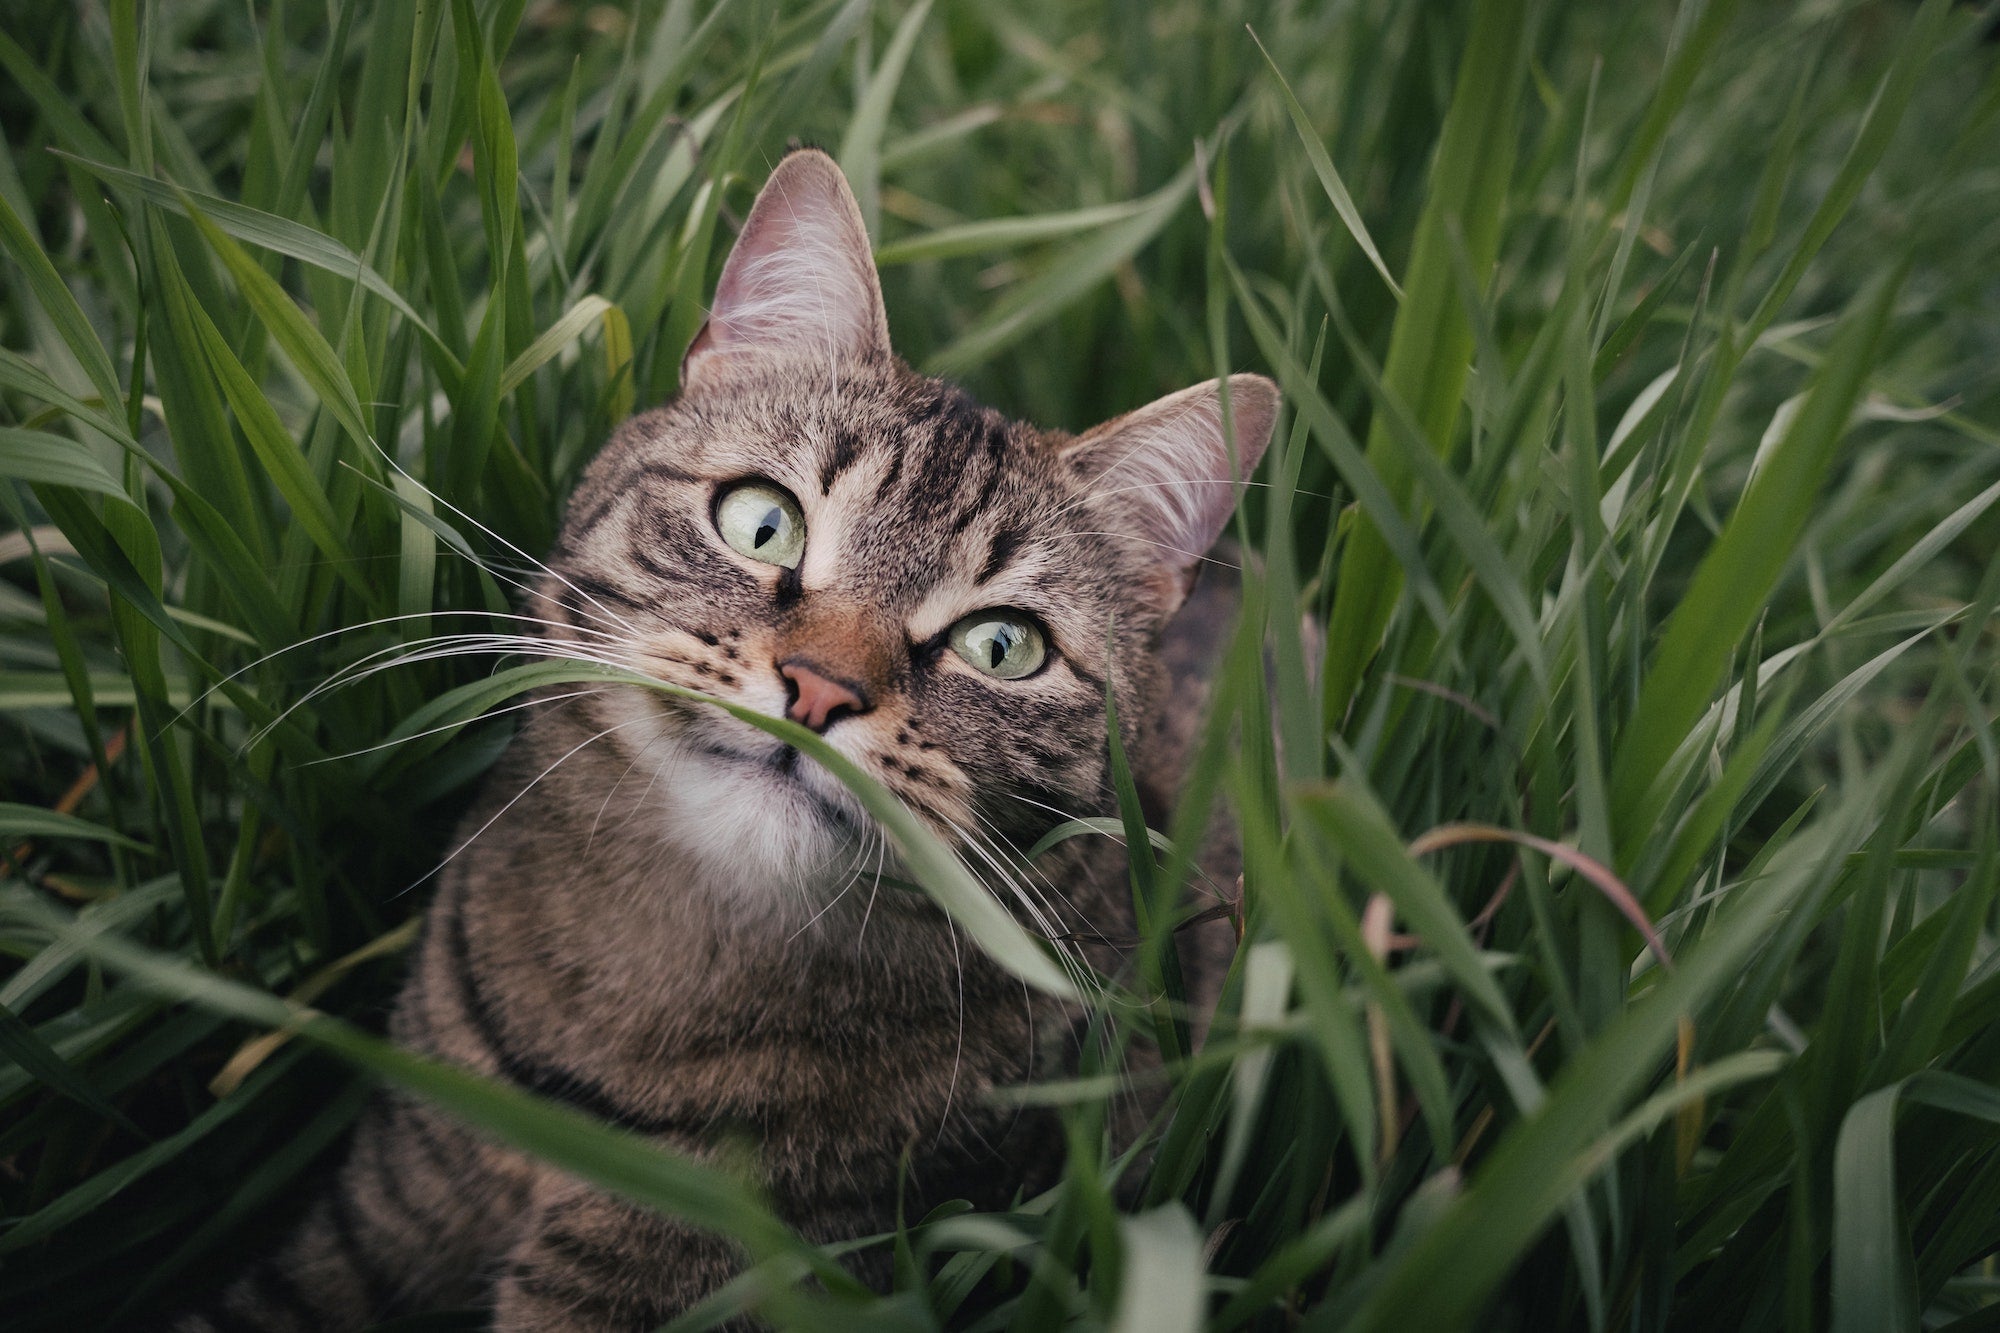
<point x="813" y="530"/>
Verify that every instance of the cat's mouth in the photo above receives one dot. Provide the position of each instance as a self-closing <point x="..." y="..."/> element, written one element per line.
<point x="786" y="769"/>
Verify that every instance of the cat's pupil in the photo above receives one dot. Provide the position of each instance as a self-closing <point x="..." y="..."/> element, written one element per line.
<point x="1003" y="641"/>
<point x="768" y="527"/>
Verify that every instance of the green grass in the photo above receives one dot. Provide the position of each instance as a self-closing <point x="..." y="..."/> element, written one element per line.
<point x="1643" y="433"/>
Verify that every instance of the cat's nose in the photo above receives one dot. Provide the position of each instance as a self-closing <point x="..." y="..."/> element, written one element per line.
<point x="818" y="700"/>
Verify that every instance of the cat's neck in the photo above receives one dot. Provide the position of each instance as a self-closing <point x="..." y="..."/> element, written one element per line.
<point x="584" y="892"/>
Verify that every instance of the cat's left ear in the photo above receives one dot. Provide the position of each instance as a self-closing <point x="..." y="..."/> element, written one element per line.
<point x="800" y="281"/>
<point x="1163" y="475"/>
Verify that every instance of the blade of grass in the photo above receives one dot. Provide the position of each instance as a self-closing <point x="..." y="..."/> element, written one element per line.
<point x="1874" y="1285"/>
<point x="267" y="231"/>
<point x="1068" y="275"/>
<point x="1329" y="177"/>
<point x="860" y="154"/>
<point x="1538" y="1164"/>
<point x="992" y="234"/>
<point x="1735" y="577"/>
<point x="1431" y="338"/>
<point x="37" y="456"/>
<point x="307" y="349"/>
<point x="25" y="1047"/>
<point x="1160" y="1288"/>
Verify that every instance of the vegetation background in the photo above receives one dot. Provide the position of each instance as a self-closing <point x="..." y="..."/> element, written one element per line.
<point x="1642" y="453"/>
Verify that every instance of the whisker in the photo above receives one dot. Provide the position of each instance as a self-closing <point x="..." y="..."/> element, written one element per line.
<point x="1068" y="956"/>
<point x="997" y="839"/>
<point x="438" y="648"/>
<point x="802" y="881"/>
<point x="494" y="818"/>
<point x="1088" y="975"/>
<point x="881" y="858"/>
<point x="351" y="672"/>
<point x="377" y="623"/>
<point x="1017" y="868"/>
<point x="1165" y="546"/>
<point x="432" y="731"/>
<point x="398" y="654"/>
<point x="1066" y="940"/>
<point x="860" y="856"/>
<point x="958" y="1051"/>
<point x="1207" y="885"/>
<point x="610" y="616"/>
<point x="644" y="750"/>
<point x="1096" y="493"/>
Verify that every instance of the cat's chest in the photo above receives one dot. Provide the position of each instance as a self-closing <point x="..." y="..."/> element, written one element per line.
<point x="786" y="1044"/>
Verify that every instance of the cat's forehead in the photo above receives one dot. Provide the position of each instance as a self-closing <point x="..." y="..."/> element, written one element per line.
<point x="918" y="440"/>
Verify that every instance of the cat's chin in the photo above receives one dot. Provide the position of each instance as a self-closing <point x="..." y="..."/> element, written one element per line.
<point x="745" y="815"/>
<point x="759" y="824"/>
<point x="742" y="815"/>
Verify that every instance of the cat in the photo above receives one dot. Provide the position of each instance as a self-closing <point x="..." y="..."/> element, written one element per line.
<point x="673" y="921"/>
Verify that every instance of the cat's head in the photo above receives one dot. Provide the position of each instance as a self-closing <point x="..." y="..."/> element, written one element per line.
<point x="814" y="530"/>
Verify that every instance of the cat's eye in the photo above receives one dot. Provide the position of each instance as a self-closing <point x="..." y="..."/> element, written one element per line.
<point x="761" y="521"/>
<point x="1000" y="643"/>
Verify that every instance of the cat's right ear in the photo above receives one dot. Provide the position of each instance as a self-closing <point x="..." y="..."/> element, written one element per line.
<point x="800" y="281"/>
<point x="1166" y="475"/>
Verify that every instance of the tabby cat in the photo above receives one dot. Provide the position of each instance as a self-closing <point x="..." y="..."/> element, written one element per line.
<point x="671" y="920"/>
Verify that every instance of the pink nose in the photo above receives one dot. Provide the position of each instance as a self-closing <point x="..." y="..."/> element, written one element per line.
<point x="816" y="700"/>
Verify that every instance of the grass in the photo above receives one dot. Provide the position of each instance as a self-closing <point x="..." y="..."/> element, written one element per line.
<point x="1642" y="457"/>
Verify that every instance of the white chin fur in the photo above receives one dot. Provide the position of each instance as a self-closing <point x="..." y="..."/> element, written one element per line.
<point x="755" y="832"/>
<point x="752" y="833"/>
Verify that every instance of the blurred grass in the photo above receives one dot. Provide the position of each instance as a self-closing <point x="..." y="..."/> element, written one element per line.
<point x="1651" y="508"/>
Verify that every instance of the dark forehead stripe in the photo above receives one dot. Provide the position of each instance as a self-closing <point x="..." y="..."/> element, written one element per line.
<point x="890" y="477"/>
<point x="941" y="435"/>
<point x="607" y="497"/>
<point x="949" y="408"/>
<point x="846" y="448"/>
<point x="982" y="500"/>
<point x="935" y="466"/>
<point x="994" y="447"/>
<point x="1006" y="543"/>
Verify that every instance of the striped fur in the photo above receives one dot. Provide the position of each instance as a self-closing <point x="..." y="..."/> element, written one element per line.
<point x="665" y="918"/>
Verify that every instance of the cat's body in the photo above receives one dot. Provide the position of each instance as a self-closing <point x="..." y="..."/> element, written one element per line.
<point x="671" y="920"/>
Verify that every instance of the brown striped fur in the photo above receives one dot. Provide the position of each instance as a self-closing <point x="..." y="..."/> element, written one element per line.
<point x="666" y="918"/>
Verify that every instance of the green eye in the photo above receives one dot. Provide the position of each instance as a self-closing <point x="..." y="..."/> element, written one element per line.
<point x="1000" y="643"/>
<point x="761" y="521"/>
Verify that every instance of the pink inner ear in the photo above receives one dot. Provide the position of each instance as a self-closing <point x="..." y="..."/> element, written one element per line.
<point x="800" y="281"/>
<point x="1166" y="466"/>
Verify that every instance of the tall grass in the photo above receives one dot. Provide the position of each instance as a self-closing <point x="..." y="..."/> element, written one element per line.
<point x="1619" y="891"/>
